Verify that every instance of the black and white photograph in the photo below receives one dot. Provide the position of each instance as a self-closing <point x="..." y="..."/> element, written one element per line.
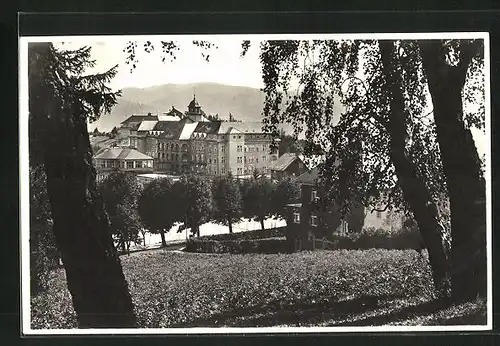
<point x="277" y="183"/>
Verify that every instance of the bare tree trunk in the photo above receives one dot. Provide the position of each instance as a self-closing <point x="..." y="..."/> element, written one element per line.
<point x="94" y="274"/>
<point x="162" y="235"/>
<point x="462" y="167"/>
<point x="230" y="224"/>
<point x="262" y="224"/>
<point x="414" y="190"/>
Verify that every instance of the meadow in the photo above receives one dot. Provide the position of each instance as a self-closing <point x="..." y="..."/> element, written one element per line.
<point x="316" y="288"/>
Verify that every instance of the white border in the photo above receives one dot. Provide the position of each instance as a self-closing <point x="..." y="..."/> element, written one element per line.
<point x="24" y="186"/>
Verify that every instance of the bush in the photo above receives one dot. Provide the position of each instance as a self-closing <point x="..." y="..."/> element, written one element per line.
<point x="248" y="235"/>
<point x="372" y="238"/>
<point x="240" y="246"/>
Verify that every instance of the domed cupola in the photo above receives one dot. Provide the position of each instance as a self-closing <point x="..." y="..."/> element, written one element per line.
<point x="194" y="106"/>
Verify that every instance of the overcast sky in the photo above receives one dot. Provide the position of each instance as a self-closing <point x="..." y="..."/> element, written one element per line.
<point x="225" y="65"/>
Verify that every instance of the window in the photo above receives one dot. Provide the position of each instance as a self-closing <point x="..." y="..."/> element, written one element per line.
<point x="239" y="137"/>
<point x="223" y="160"/>
<point x="102" y="164"/>
<point x="314" y="220"/>
<point x="246" y="149"/>
<point x="238" y="171"/>
<point x="238" y="149"/>
<point x="122" y="163"/>
<point x="130" y="164"/>
<point x="314" y="195"/>
<point x="257" y="159"/>
<point x="264" y="158"/>
<point x="223" y="171"/>
<point x="296" y="217"/>
<point x="158" y="154"/>
<point x="257" y="149"/>
<point x="162" y="155"/>
<point x="138" y="164"/>
<point x="222" y="148"/>
<point x="239" y="159"/>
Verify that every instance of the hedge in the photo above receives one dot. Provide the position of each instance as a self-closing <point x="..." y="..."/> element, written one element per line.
<point x="380" y="239"/>
<point x="240" y="246"/>
<point x="248" y="235"/>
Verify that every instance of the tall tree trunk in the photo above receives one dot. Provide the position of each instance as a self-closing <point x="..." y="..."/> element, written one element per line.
<point x="94" y="274"/>
<point x="93" y="270"/>
<point x="230" y="224"/>
<point x="162" y="235"/>
<point x="262" y="224"/>
<point x="414" y="190"/>
<point x="462" y="167"/>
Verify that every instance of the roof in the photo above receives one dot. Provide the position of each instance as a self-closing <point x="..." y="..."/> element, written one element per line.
<point x="284" y="161"/>
<point x="309" y="177"/>
<point x="211" y="127"/>
<point x="188" y="130"/>
<point x="147" y="125"/>
<point x="139" y="117"/>
<point x="122" y="154"/>
<point x="245" y="127"/>
<point x="174" y="112"/>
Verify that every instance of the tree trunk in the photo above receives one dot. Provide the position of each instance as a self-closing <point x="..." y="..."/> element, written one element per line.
<point x="94" y="274"/>
<point x="262" y="224"/>
<point x="462" y="168"/>
<point x="230" y="224"/>
<point x="414" y="190"/>
<point x="162" y="235"/>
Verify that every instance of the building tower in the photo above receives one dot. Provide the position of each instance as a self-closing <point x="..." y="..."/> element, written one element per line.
<point x="194" y="110"/>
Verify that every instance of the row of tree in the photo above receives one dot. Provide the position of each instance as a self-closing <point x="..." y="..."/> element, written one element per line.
<point x="189" y="202"/>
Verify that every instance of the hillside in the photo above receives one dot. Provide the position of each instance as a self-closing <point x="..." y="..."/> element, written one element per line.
<point x="243" y="102"/>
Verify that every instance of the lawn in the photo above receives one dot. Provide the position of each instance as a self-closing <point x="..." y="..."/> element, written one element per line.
<point x="320" y="288"/>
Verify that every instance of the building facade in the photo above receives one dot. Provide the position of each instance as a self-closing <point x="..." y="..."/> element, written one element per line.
<point x="311" y="219"/>
<point x="188" y="142"/>
<point x="121" y="159"/>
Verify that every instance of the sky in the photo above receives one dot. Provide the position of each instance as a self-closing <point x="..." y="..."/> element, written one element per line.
<point x="225" y="65"/>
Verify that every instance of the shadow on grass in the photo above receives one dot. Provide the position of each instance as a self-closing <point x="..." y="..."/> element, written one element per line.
<point x="363" y="311"/>
<point x="277" y="314"/>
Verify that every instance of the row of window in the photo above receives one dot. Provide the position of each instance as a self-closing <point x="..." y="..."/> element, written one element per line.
<point x="251" y="149"/>
<point x="129" y="164"/>
<point x="313" y="220"/>
<point x="172" y="147"/>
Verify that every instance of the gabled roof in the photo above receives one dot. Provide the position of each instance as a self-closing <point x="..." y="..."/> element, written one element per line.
<point x="121" y="154"/>
<point x="309" y="177"/>
<point x="139" y="117"/>
<point x="170" y="129"/>
<point x="244" y="127"/>
<point x="284" y="161"/>
<point x="174" y="112"/>
<point x="211" y="127"/>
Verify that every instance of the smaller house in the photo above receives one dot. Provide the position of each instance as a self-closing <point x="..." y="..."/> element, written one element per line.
<point x="287" y="165"/>
<point x="121" y="159"/>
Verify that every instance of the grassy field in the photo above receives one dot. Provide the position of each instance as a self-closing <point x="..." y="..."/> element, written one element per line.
<point x="320" y="288"/>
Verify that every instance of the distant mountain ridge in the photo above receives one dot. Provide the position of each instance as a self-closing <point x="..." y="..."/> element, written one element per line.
<point x="244" y="103"/>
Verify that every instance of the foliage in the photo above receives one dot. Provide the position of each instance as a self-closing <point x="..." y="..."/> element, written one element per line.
<point x="43" y="249"/>
<point x="158" y="206"/>
<point x="194" y="196"/>
<point x="286" y="191"/>
<point x="227" y="201"/>
<point x="248" y="235"/>
<point x="241" y="246"/>
<point x="120" y="192"/>
<point x="172" y="289"/>
<point x="257" y="195"/>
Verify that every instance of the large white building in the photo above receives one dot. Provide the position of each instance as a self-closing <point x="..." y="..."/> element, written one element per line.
<point x="189" y="142"/>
